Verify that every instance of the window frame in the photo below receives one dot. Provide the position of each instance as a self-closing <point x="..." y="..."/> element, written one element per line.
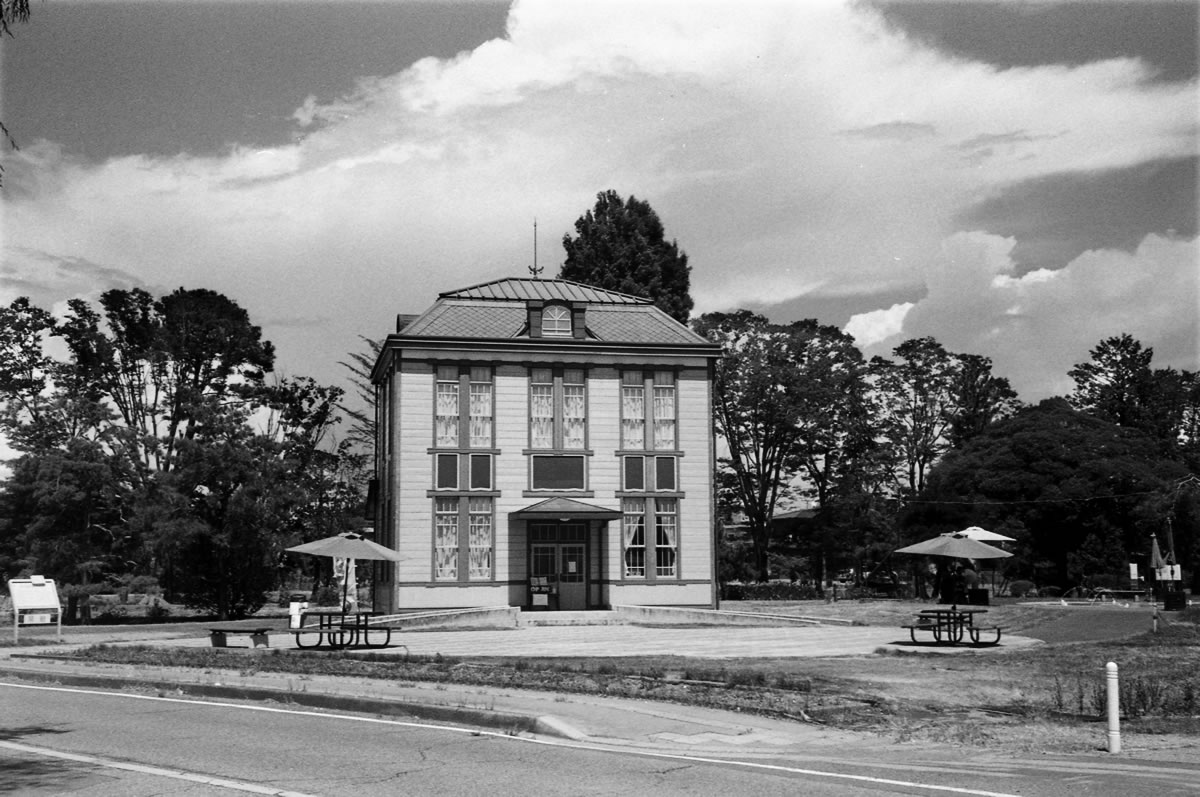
<point x="557" y="321"/>
<point x="464" y="386"/>
<point x="539" y="456"/>
<point x="658" y="512"/>
<point x="649" y="386"/>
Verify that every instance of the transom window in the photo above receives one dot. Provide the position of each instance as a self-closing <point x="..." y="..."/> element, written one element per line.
<point x="556" y="321"/>
<point x="650" y="474"/>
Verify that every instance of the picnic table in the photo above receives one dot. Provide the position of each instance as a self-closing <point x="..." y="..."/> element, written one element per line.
<point x="336" y="630"/>
<point x="950" y="625"/>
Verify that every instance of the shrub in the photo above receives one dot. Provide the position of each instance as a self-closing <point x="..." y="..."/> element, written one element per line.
<point x="1021" y="589"/>
<point x="769" y="591"/>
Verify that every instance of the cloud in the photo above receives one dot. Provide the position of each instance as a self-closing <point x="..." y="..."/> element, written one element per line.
<point x="871" y="328"/>
<point x="792" y="149"/>
<point x="1037" y="326"/>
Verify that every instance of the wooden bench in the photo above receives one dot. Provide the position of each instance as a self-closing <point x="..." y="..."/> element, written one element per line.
<point x="219" y="637"/>
<point x="976" y="631"/>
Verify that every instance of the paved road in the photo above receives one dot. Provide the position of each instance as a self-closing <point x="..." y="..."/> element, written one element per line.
<point x="54" y="740"/>
<point x="89" y="743"/>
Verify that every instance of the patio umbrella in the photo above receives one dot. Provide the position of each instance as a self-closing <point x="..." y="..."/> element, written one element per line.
<point x="347" y="545"/>
<point x="982" y="535"/>
<point x="955" y="546"/>
<point x="1156" y="557"/>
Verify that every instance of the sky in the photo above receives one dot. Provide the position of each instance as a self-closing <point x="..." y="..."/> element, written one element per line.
<point x="1015" y="179"/>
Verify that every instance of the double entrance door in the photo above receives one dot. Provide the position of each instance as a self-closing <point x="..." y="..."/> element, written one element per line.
<point x="558" y="564"/>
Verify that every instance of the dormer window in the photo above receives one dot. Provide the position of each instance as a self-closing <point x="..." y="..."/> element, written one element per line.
<point x="556" y="321"/>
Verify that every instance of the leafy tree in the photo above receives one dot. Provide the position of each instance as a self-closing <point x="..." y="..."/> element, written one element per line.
<point x="929" y="400"/>
<point x="237" y="496"/>
<point x="789" y="400"/>
<point x="754" y="407"/>
<point x="1119" y="385"/>
<point x="916" y="402"/>
<point x="1081" y="492"/>
<point x="158" y="361"/>
<point x="362" y="428"/>
<point x="1115" y="384"/>
<point x="620" y="246"/>
<point x="156" y="445"/>
<point x="981" y="398"/>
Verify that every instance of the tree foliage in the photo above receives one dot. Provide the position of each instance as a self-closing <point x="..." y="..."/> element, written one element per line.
<point x="619" y="245"/>
<point x="929" y="400"/>
<point x="11" y="12"/>
<point x="788" y="400"/>
<point x="156" y="446"/>
<point x="1119" y="385"/>
<point x="1080" y="494"/>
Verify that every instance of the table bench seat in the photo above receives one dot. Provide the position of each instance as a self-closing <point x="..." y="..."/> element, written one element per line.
<point x="259" y="637"/>
<point x="976" y="633"/>
<point x="922" y="625"/>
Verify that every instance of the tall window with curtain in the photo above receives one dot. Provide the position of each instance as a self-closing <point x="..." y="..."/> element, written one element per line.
<point x="445" y="548"/>
<point x="633" y="526"/>
<point x="664" y="410"/>
<point x="541" y="408"/>
<point x="479" y="557"/>
<point x="633" y="410"/>
<point x="446" y="407"/>
<point x="574" y="409"/>
<point x="480" y="424"/>
<point x="666" y="536"/>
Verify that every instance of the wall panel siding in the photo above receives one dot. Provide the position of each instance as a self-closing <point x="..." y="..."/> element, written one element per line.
<point x="414" y="513"/>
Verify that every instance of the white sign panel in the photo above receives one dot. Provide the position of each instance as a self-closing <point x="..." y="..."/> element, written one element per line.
<point x="34" y="602"/>
<point x="34" y="593"/>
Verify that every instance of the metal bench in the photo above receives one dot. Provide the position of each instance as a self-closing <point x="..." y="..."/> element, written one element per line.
<point x="932" y="627"/>
<point x="219" y="637"/>
<point x="976" y="631"/>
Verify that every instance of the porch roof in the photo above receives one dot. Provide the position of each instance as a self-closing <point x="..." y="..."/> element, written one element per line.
<point x="565" y="509"/>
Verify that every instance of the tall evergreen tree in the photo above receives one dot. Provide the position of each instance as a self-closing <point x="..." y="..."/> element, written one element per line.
<point x="619" y="245"/>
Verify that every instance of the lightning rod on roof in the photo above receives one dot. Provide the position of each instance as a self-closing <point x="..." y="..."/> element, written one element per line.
<point x="534" y="270"/>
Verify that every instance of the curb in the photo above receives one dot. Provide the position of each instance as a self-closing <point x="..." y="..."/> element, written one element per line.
<point x="492" y="720"/>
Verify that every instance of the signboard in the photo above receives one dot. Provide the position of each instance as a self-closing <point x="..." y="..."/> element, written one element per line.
<point x="1170" y="573"/>
<point x="35" y="602"/>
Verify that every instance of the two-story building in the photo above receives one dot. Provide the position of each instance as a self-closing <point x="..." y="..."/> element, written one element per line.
<point x="544" y="444"/>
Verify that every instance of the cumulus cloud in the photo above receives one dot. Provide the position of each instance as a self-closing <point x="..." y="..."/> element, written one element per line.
<point x="876" y="326"/>
<point x="790" y="148"/>
<point x="1037" y="326"/>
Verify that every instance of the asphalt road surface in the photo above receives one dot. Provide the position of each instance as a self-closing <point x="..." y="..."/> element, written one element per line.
<point x="58" y="740"/>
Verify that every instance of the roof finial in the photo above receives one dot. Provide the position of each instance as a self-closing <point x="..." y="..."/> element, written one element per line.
<point x="534" y="270"/>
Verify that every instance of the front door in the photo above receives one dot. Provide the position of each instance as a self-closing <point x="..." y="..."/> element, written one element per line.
<point x="558" y="565"/>
<point x="572" y="578"/>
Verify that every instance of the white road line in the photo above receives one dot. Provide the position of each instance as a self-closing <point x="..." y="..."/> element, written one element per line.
<point x="479" y="732"/>
<point x="177" y="774"/>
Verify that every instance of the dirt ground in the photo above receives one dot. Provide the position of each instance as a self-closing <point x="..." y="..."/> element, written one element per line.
<point x="1005" y="700"/>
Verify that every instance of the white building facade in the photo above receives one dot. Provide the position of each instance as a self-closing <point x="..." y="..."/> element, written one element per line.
<point x="548" y="445"/>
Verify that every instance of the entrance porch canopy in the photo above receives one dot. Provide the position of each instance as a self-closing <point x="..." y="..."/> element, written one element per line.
<point x="564" y="509"/>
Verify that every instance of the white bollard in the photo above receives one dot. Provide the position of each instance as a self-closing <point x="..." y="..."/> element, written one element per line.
<point x="1114" y="708"/>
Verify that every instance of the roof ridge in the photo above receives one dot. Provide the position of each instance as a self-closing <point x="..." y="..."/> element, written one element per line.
<point x="602" y="295"/>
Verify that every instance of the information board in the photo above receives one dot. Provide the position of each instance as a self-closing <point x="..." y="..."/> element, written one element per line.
<point x="34" y="602"/>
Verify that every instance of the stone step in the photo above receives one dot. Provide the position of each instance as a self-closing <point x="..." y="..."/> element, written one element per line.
<point x="598" y="617"/>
